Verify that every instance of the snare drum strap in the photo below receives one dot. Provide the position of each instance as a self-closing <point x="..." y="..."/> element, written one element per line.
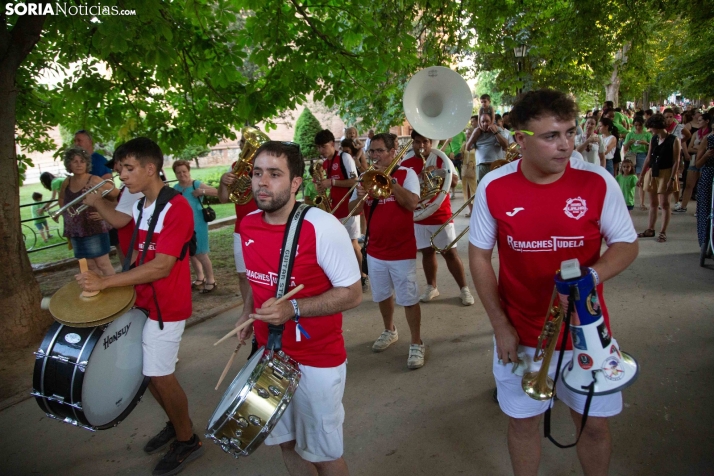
<point x="290" y="242"/>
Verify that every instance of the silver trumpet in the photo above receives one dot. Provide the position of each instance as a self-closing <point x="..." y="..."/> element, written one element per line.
<point x="70" y="207"/>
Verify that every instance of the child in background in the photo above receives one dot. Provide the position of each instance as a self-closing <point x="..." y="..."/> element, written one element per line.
<point x="627" y="180"/>
<point x="38" y="212"/>
<point x="486" y="107"/>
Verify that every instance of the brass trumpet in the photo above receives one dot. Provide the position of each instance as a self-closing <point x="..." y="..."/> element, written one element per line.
<point x="378" y="184"/>
<point x="538" y="385"/>
<point x="69" y="207"/>
<point x="441" y="228"/>
<point x="512" y="153"/>
<point x="241" y="192"/>
<point x="349" y="192"/>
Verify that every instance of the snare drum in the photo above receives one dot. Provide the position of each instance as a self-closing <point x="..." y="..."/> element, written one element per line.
<point x="91" y="377"/>
<point x="254" y="402"/>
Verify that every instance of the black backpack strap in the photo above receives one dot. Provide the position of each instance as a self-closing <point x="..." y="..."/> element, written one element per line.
<point x="343" y="168"/>
<point x="127" y="258"/>
<point x="287" y="259"/>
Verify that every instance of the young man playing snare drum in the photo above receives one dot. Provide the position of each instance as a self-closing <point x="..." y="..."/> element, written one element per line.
<point x="165" y="279"/>
<point x="310" y="431"/>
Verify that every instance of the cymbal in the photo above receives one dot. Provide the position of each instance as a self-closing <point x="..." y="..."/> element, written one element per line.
<point x="69" y="307"/>
<point x="100" y="322"/>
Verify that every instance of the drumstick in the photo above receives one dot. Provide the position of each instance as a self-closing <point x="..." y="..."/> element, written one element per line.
<point x="297" y="289"/>
<point x="83" y="269"/>
<point x="228" y="366"/>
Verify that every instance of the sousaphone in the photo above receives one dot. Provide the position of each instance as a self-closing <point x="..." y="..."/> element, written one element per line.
<point x="438" y="104"/>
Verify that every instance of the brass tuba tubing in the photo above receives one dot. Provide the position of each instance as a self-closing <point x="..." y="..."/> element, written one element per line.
<point x="372" y="176"/>
<point x="441" y="228"/>
<point x="69" y="208"/>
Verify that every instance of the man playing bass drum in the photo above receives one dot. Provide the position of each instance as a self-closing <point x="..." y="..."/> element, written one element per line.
<point x="542" y="210"/>
<point x="310" y="431"/>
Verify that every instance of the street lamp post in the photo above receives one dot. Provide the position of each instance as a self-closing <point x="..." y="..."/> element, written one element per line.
<point x="520" y="52"/>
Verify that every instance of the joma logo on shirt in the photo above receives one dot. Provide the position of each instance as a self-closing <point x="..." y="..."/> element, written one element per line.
<point x="270" y="278"/>
<point x="554" y="243"/>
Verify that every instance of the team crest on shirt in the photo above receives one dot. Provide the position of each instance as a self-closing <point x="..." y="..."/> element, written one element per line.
<point x="575" y="208"/>
<point x="335" y="166"/>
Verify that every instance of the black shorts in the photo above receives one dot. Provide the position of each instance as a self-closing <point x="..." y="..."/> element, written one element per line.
<point x="114" y="237"/>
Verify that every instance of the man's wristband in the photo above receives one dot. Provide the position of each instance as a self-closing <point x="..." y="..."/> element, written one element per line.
<point x="595" y="276"/>
<point x="333" y="182"/>
<point x="296" y="309"/>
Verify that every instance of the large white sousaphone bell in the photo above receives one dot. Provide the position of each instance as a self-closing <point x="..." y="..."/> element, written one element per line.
<point x="438" y="102"/>
<point x="597" y="359"/>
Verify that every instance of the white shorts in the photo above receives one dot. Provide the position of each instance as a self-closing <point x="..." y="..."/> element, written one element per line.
<point x="315" y="415"/>
<point x="352" y="227"/>
<point x="386" y="277"/>
<point x="238" y="253"/>
<point x="161" y="347"/>
<point x="423" y="235"/>
<point x="515" y="403"/>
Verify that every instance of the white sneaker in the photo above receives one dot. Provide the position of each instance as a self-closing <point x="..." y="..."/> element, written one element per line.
<point x="416" y="356"/>
<point x="430" y="293"/>
<point x="386" y="339"/>
<point x="466" y="298"/>
<point x="677" y="206"/>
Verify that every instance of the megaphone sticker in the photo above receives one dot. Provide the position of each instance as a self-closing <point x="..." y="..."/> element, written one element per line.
<point x="585" y="361"/>
<point x="612" y="370"/>
<point x="604" y="335"/>
<point x="579" y="338"/>
<point x="614" y="350"/>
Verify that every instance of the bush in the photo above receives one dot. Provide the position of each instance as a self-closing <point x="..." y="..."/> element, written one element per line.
<point x="306" y="127"/>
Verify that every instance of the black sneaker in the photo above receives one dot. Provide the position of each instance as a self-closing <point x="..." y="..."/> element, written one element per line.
<point x="164" y="437"/>
<point x="179" y="455"/>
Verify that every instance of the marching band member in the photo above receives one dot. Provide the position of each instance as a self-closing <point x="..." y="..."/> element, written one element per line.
<point x="424" y="229"/>
<point x="340" y="176"/>
<point x="391" y="253"/>
<point x="310" y="431"/>
<point x="227" y="180"/>
<point x="163" y="287"/>
<point x="542" y="210"/>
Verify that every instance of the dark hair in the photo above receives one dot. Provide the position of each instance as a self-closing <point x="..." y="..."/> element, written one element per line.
<point x="706" y="117"/>
<point x="46" y="179"/>
<point x="669" y="109"/>
<point x="350" y="144"/>
<point x="608" y="105"/>
<point x="504" y="114"/>
<point x="390" y="140"/>
<point x="324" y="137"/>
<point x="180" y="163"/>
<point x="656" y="121"/>
<point x="291" y="152"/>
<point x="485" y="96"/>
<point x="618" y="109"/>
<point x="475" y="116"/>
<point x="638" y="119"/>
<point x="687" y="116"/>
<point x="414" y="134"/>
<point x="37" y="196"/>
<point x="541" y="102"/>
<point x="143" y="150"/>
<point x="606" y="121"/>
<point x="498" y="116"/>
<point x="86" y="133"/>
<point x="649" y="112"/>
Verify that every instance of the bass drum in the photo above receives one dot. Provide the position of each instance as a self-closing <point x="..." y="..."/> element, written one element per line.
<point x="254" y="402"/>
<point x="429" y="203"/>
<point x="91" y="377"/>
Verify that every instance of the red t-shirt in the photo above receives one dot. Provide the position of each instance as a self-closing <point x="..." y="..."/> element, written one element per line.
<point x="173" y="230"/>
<point x="124" y="233"/>
<point x="324" y="260"/>
<point x="334" y="171"/>
<point x="242" y="210"/>
<point x="391" y="231"/>
<point x="539" y="226"/>
<point x="438" y="160"/>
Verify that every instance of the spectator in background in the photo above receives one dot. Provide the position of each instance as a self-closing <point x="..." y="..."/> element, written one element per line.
<point x="489" y="140"/>
<point x="452" y="148"/>
<point x="359" y="155"/>
<point x="674" y="127"/>
<point x="53" y="184"/>
<point x="609" y="143"/>
<point x="38" y="212"/>
<point x="486" y="107"/>
<point x="638" y="142"/>
<point x="194" y="191"/>
<point x="693" y="172"/>
<point x="661" y="169"/>
<point x="506" y="123"/>
<point x="367" y="141"/>
<point x="590" y="144"/>
<point x="705" y="163"/>
<point x="84" y="140"/>
<point x="89" y="236"/>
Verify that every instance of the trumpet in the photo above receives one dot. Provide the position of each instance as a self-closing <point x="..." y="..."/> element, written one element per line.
<point x="241" y="192"/>
<point x="70" y="207"/>
<point x="512" y="153"/>
<point x="441" y="228"/>
<point x="349" y="192"/>
<point x="538" y="385"/>
<point x="378" y="184"/>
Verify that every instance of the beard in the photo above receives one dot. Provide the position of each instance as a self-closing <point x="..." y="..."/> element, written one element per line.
<point x="276" y="201"/>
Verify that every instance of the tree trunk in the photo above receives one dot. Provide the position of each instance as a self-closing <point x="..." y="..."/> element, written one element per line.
<point x="22" y="322"/>
<point x="612" y="89"/>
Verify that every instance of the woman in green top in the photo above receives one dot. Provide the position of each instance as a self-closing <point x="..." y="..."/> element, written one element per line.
<point x="638" y="141"/>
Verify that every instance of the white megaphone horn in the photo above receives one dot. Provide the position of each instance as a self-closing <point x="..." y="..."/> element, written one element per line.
<point x="438" y="102"/>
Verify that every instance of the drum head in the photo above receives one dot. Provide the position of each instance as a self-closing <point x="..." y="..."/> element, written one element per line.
<point x="114" y="374"/>
<point x="232" y="395"/>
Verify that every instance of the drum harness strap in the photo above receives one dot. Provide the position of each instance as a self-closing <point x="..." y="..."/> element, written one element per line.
<point x="572" y="296"/>
<point x="290" y="242"/>
<point x="165" y="195"/>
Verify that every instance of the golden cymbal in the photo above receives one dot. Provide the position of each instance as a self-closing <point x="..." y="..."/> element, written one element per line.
<point x="69" y="307"/>
<point x="100" y="322"/>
